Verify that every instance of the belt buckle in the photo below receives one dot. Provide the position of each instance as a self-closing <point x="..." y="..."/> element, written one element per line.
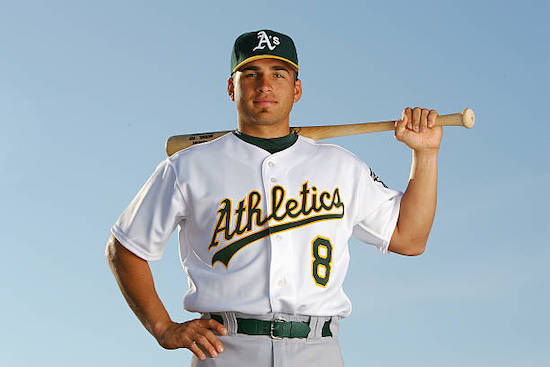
<point x="271" y="325"/>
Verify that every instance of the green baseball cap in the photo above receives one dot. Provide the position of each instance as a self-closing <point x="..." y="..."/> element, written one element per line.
<point x="263" y="44"/>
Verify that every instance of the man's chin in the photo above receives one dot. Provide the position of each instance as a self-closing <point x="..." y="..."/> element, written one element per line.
<point x="266" y="122"/>
<point x="264" y="110"/>
<point x="266" y="118"/>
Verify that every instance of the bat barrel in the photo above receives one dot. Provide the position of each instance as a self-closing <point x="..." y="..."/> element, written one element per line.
<point x="179" y="142"/>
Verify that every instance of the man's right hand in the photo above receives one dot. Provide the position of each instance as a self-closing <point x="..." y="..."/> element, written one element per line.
<point x="192" y="334"/>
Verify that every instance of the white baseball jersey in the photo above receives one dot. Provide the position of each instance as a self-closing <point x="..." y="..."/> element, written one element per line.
<point x="261" y="232"/>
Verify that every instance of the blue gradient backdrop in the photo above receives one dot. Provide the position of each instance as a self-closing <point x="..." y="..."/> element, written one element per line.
<point x="90" y="90"/>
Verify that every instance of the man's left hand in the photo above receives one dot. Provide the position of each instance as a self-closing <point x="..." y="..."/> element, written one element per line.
<point x="416" y="129"/>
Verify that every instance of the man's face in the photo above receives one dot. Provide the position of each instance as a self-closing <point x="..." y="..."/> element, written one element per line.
<point x="264" y="91"/>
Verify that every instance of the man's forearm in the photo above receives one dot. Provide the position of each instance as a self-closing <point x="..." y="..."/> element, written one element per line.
<point x="418" y="204"/>
<point x="135" y="280"/>
<point x="136" y="283"/>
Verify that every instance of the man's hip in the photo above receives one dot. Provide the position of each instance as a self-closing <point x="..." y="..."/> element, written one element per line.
<point x="276" y="340"/>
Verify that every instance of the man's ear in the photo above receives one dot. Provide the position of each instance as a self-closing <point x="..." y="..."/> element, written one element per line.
<point x="231" y="88"/>
<point x="297" y="90"/>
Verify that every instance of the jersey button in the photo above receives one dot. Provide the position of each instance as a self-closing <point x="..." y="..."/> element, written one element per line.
<point x="270" y="164"/>
<point x="273" y="179"/>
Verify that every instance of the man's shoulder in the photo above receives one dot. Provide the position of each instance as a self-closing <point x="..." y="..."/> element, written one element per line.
<point x="206" y="149"/>
<point x="330" y="149"/>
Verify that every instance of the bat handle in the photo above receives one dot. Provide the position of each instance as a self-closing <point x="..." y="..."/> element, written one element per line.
<point x="465" y="118"/>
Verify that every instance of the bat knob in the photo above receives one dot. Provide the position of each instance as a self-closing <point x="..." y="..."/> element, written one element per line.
<point x="468" y="118"/>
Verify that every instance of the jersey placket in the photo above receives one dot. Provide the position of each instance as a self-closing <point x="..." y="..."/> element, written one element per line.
<point x="280" y="288"/>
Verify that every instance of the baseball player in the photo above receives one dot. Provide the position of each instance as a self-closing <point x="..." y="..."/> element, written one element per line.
<point x="264" y="218"/>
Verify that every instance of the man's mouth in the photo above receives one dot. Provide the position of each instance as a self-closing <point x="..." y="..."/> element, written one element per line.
<point x="264" y="102"/>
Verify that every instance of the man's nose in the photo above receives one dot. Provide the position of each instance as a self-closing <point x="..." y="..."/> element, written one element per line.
<point x="263" y="84"/>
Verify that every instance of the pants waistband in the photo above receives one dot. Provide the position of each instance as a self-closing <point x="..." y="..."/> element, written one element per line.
<point x="316" y="323"/>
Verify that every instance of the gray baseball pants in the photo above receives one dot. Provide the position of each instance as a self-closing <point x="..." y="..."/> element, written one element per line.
<point x="265" y="351"/>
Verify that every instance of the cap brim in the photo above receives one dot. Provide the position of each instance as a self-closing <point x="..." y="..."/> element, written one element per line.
<point x="258" y="57"/>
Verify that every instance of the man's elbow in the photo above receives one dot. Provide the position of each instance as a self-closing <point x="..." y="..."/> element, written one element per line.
<point x="415" y="250"/>
<point x="409" y="247"/>
<point x="111" y="250"/>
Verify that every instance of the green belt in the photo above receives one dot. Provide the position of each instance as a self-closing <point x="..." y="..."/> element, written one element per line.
<point x="277" y="329"/>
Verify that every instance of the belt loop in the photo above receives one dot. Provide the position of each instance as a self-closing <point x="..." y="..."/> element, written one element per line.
<point x="334" y="326"/>
<point x="230" y="322"/>
<point x="314" y="332"/>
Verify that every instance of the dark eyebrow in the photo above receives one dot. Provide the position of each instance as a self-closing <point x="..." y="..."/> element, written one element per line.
<point x="278" y="67"/>
<point x="249" y="68"/>
<point x="255" y="68"/>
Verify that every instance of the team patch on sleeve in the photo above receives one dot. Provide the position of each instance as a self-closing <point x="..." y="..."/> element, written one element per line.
<point x="377" y="179"/>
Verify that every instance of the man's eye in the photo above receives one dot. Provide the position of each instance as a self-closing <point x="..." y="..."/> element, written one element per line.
<point x="250" y="75"/>
<point x="279" y="75"/>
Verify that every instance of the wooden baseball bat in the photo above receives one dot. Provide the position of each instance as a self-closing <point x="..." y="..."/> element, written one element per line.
<point x="465" y="118"/>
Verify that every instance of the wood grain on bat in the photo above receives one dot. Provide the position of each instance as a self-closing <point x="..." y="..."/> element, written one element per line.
<point x="465" y="118"/>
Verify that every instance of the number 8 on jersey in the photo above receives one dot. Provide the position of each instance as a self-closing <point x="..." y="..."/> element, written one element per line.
<point x="322" y="258"/>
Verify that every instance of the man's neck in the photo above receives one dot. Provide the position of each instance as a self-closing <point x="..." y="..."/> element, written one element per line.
<point x="266" y="131"/>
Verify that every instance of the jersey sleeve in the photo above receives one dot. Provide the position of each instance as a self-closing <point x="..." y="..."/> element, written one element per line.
<point x="147" y="223"/>
<point x="377" y="212"/>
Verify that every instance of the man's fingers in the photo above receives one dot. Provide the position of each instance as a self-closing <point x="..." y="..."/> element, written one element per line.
<point x="213" y="340"/>
<point x="416" y="118"/>
<point x="400" y="126"/>
<point x="197" y="351"/>
<point x="213" y="324"/>
<point x="404" y="116"/>
<point x="424" y="119"/>
<point x="401" y="129"/>
<point x="408" y="113"/>
<point x="221" y="330"/>
<point x="196" y="335"/>
<point x="206" y="345"/>
<point x="432" y="116"/>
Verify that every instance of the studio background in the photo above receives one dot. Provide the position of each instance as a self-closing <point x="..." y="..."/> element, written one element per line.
<point x="90" y="90"/>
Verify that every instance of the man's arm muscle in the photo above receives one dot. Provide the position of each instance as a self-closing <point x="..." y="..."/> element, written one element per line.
<point x="135" y="280"/>
<point x="417" y="130"/>
<point x="417" y="210"/>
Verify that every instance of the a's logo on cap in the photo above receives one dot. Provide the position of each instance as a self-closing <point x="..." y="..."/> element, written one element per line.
<point x="264" y="40"/>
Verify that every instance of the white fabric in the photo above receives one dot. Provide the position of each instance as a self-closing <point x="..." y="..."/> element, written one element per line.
<point x="202" y="190"/>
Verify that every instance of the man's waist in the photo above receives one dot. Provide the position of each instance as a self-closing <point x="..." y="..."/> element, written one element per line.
<point x="278" y="325"/>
